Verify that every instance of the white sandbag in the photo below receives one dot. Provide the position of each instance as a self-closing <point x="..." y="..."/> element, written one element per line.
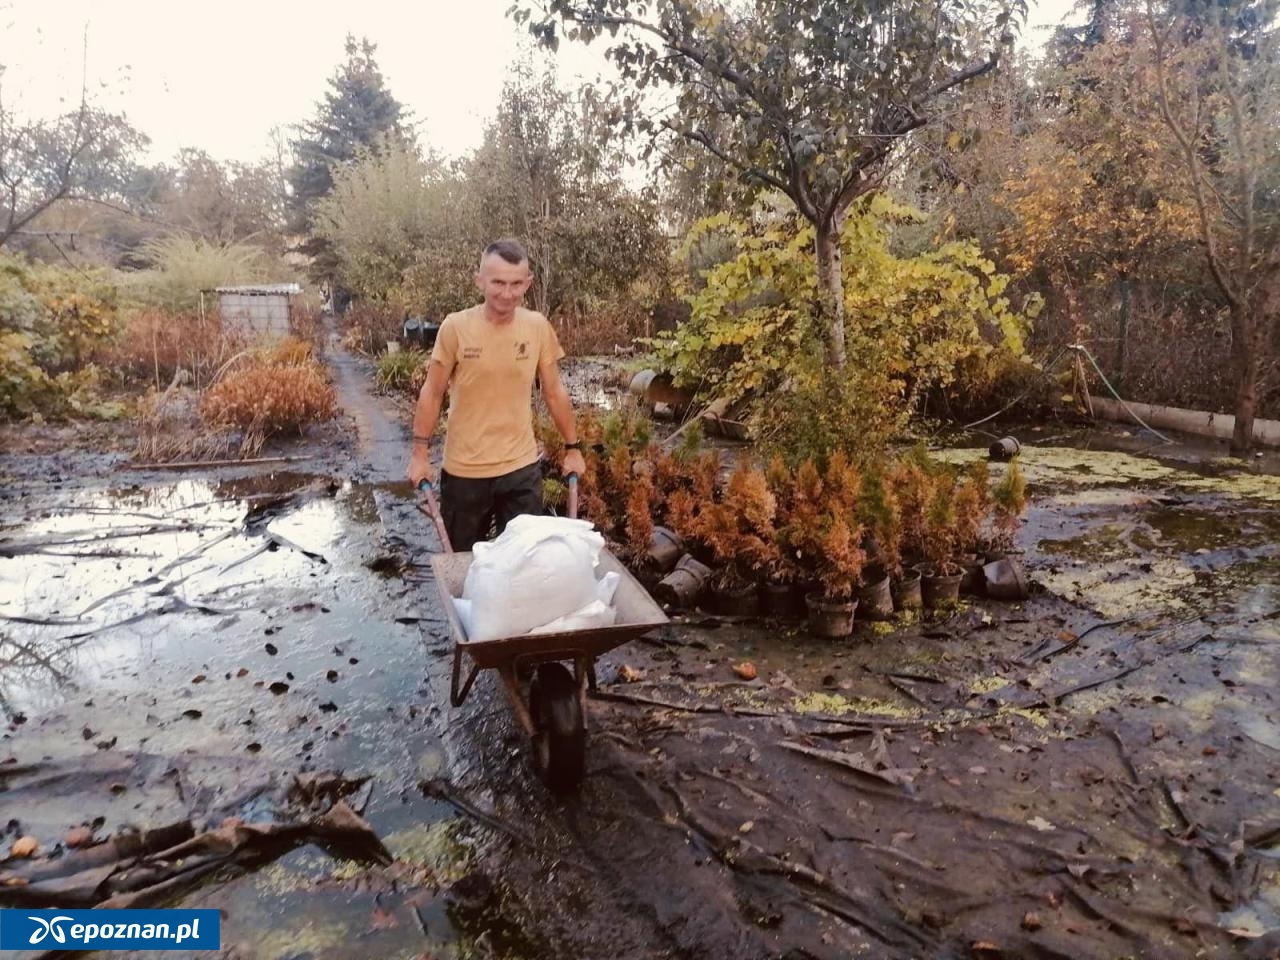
<point x="462" y="607"/>
<point x="594" y="615"/>
<point x="538" y="570"/>
<point x="607" y="586"/>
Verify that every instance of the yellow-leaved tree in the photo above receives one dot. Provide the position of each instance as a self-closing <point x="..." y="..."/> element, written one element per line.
<point x="914" y="321"/>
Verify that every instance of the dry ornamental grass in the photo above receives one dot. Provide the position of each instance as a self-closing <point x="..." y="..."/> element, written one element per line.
<point x="270" y="398"/>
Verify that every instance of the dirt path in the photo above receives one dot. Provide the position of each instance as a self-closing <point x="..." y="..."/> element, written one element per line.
<point x="381" y="442"/>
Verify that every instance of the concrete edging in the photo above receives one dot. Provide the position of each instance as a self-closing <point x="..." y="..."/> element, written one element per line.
<point x="1203" y="423"/>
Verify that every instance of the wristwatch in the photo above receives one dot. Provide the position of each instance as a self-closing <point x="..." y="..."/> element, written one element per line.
<point x="576" y="445"/>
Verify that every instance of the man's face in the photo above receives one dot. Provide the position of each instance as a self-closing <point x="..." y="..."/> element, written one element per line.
<point x="503" y="284"/>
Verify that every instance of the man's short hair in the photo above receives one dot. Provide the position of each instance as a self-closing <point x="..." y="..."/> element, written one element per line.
<point x="509" y="249"/>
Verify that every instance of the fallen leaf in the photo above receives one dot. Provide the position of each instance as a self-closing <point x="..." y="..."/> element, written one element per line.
<point x="14" y="881"/>
<point x="199" y="678"/>
<point x="77" y="836"/>
<point x="329" y="707"/>
<point x="279" y="687"/>
<point x="332" y="676"/>
<point x="1210" y="751"/>
<point x="87" y="733"/>
<point x="978" y="771"/>
<point x="985" y="946"/>
<point x="1031" y="921"/>
<point x="902" y="836"/>
<point x="629" y="674"/>
<point x="747" y="827"/>
<point x="23" y="847"/>
<point x="242" y="672"/>
<point x="271" y="648"/>
<point x="254" y="747"/>
<point x="118" y="788"/>
<point x="746" y="670"/>
<point x="1244" y="933"/>
<point x="192" y="714"/>
<point x="1041" y="824"/>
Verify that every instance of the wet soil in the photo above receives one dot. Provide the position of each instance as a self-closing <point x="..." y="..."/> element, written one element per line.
<point x="1092" y="773"/>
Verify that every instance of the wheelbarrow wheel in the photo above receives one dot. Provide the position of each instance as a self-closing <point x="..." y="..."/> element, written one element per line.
<point x="559" y="746"/>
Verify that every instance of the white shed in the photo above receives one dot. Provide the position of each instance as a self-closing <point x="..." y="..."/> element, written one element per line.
<point x="264" y="310"/>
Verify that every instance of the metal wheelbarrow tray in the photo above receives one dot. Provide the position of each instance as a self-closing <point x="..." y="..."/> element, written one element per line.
<point x="554" y="715"/>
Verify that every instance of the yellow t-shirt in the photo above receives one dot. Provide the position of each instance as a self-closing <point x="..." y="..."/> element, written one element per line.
<point x="492" y="368"/>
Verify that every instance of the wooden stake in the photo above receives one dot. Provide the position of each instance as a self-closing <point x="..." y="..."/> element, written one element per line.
<point x="196" y="464"/>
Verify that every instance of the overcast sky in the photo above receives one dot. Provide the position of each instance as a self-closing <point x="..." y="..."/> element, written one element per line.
<point x="220" y="76"/>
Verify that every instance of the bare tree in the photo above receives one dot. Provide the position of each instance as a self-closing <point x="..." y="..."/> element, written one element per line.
<point x="1217" y="70"/>
<point x="86" y="154"/>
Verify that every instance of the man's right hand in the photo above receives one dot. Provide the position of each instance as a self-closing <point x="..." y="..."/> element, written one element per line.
<point x="420" y="469"/>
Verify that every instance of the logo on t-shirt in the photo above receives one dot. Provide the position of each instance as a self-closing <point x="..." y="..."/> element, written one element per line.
<point x="470" y="353"/>
<point x="522" y="349"/>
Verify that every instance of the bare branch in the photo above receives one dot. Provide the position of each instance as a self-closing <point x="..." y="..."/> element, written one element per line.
<point x="701" y="137"/>
<point x="1187" y="146"/>
<point x="969" y="73"/>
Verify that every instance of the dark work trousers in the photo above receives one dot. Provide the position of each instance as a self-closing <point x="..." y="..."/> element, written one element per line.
<point x="471" y="506"/>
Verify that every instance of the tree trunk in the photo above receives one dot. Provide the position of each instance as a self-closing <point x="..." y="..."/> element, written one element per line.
<point x="1253" y="330"/>
<point x="1245" y="367"/>
<point x="831" y="288"/>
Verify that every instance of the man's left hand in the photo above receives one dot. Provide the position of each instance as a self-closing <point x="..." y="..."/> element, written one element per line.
<point x="574" y="463"/>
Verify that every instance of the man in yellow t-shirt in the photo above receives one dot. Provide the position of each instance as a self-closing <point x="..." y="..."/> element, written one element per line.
<point x="487" y="358"/>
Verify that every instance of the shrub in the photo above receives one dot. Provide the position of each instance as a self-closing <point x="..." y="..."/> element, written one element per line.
<point x="182" y="266"/>
<point x="366" y="327"/>
<point x="24" y="387"/>
<point x="155" y="344"/>
<point x="290" y="352"/>
<point x="52" y="322"/>
<point x="915" y="322"/>
<point x="270" y="398"/>
<point x="399" y="370"/>
<point x="1009" y="498"/>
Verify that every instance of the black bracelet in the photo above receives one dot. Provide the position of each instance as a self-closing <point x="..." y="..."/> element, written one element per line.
<point x="576" y="445"/>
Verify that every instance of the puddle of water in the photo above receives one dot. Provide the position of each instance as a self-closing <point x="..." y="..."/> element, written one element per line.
<point x="1261" y="730"/>
<point x="169" y="621"/>
<point x="1259" y="917"/>
<point x="1055" y="468"/>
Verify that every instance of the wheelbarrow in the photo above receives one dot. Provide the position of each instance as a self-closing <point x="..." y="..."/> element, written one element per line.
<point x="555" y="710"/>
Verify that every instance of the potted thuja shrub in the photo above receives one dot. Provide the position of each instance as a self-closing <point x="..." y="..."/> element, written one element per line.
<point x="878" y="510"/>
<point x="781" y="594"/>
<point x="837" y="566"/>
<point x="1006" y="579"/>
<point x="740" y="531"/>
<point x="911" y="486"/>
<point x="972" y="502"/>
<point x="942" y="575"/>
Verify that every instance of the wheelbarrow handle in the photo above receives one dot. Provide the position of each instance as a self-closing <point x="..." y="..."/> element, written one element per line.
<point x="428" y="491"/>
<point x="573" y="496"/>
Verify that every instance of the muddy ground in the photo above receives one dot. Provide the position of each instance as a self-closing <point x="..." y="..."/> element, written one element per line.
<point x="1094" y="773"/>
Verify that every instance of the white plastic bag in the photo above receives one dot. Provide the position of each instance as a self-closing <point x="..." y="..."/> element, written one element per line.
<point x="538" y="570"/>
<point x="594" y="615"/>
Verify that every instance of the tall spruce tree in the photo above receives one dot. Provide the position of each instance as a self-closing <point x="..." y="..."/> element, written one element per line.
<point x="358" y="112"/>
